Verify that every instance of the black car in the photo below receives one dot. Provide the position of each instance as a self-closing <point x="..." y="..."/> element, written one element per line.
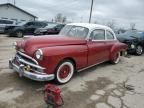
<point x="4" y="23"/>
<point x="135" y="41"/>
<point x="51" y="28"/>
<point x="25" y="29"/>
<point x="9" y="28"/>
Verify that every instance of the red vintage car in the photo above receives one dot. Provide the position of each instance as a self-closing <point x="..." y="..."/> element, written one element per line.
<point x="78" y="46"/>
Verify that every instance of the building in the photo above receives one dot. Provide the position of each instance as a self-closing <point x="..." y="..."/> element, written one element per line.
<point x="12" y="12"/>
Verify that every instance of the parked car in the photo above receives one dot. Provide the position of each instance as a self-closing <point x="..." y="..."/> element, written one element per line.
<point x="9" y="28"/>
<point x="26" y="29"/>
<point x="135" y="41"/>
<point x="78" y="46"/>
<point x="4" y="23"/>
<point x="51" y="28"/>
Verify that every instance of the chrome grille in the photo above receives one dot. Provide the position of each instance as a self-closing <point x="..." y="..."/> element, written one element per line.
<point x="26" y="58"/>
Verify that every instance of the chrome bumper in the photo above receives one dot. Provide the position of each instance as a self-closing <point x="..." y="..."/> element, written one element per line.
<point x="37" y="76"/>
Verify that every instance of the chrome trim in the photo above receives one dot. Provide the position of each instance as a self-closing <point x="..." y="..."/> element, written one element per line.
<point x="33" y="76"/>
<point x="33" y="65"/>
<point x="27" y="56"/>
<point x="90" y="66"/>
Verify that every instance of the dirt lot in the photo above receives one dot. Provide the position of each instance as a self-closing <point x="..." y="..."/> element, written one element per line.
<point x="103" y="86"/>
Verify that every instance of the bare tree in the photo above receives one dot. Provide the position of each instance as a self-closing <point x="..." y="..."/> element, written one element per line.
<point x="64" y="19"/>
<point x="132" y="26"/>
<point x="111" y="24"/>
<point x="60" y="18"/>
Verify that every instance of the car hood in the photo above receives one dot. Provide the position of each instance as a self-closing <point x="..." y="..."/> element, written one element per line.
<point x="123" y="38"/>
<point x="31" y="44"/>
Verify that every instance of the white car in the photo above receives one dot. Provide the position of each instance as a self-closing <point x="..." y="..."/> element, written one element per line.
<point x="4" y="23"/>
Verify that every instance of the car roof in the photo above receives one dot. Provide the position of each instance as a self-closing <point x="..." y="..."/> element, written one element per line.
<point x="91" y="26"/>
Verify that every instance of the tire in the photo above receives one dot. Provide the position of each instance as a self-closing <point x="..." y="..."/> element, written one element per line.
<point x="116" y="58"/>
<point x="139" y="50"/>
<point x="64" y="72"/>
<point x="19" y="34"/>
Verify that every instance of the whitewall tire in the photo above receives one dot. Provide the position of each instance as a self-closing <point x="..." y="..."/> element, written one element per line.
<point x="64" y="72"/>
<point x="116" y="58"/>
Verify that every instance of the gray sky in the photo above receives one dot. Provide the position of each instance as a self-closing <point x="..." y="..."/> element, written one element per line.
<point x="122" y="12"/>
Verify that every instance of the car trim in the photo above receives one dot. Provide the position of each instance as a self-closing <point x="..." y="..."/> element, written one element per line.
<point x="33" y="76"/>
<point x="27" y="56"/>
<point x="90" y="66"/>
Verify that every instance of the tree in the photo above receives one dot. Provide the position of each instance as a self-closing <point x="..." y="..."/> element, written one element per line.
<point x="111" y="24"/>
<point x="60" y="18"/>
<point x="132" y="26"/>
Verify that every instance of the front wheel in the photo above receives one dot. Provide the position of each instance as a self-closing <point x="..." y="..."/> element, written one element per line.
<point x="139" y="50"/>
<point x="116" y="58"/>
<point x="64" y="72"/>
<point x="19" y="34"/>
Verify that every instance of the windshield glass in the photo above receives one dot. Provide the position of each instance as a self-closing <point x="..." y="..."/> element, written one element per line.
<point x="75" y="31"/>
<point x="131" y="34"/>
<point x="51" y="25"/>
<point x="21" y="23"/>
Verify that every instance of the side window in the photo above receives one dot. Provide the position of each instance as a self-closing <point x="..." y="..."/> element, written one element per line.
<point x="2" y="22"/>
<point x="29" y="24"/>
<point x="8" y="22"/>
<point x="36" y="24"/>
<point x="109" y="35"/>
<point x="98" y="35"/>
<point x="59" y="27"/>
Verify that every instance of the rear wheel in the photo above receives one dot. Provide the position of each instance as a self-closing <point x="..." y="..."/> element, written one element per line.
<point x="116" y="58"/>
<point x="64" y="72"/>
<point x="19" y="34"/>
<point x="139" y="50"/>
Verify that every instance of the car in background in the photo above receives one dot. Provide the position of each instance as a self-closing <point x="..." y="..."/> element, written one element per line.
<point x="9" y="28"/>
<point x="135" y="41"/>
<point x="57" y="57"/>
<point x="4" y="23"/>
<point x="26" y="29"/>
<point x="51" y="28"/>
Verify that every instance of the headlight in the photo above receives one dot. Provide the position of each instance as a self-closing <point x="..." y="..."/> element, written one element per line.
<point x="132" y="46"/>
<point x="39" y="54"/>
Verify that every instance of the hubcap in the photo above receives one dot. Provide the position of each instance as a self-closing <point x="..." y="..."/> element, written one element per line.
<point x="19" y="34"/>
<point x="139" y="50"/>
<point x="64" y="72"/>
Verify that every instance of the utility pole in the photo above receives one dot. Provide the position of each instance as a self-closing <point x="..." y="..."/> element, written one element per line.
<point x="14" y="2"/>
<point x="91" y="11"/>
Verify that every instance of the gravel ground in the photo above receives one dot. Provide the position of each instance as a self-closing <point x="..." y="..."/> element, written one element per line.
<point x="103" y="86"/>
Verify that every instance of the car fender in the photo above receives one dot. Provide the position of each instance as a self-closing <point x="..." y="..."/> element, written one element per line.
<point x="117" y="47"/>
<point x="55" y="54"/>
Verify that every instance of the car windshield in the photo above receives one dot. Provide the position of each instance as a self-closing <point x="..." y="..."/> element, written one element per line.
<point x="75" y="31"/>
<point x="51" y="25"/>
<point x="21" y="23"/>
<point x="131" y="33"/>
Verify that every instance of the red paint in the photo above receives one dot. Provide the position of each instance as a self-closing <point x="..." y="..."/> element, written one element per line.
<point x="83" y="52"/>
<point x="52" y="95"/>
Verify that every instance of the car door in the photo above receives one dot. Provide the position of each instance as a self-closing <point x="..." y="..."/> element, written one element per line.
<point x="28" y="28"/>
<point x="110" y="41"/>
<point x="97" y="48"/>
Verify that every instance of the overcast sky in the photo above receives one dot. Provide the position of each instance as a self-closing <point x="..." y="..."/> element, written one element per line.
<point x="122" y="12"/>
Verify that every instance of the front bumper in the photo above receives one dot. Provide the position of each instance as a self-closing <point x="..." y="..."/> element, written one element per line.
<point x="35" y="75"/>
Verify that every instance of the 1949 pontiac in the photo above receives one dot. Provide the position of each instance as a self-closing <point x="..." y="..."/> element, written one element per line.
<point x="78" y="46"/>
